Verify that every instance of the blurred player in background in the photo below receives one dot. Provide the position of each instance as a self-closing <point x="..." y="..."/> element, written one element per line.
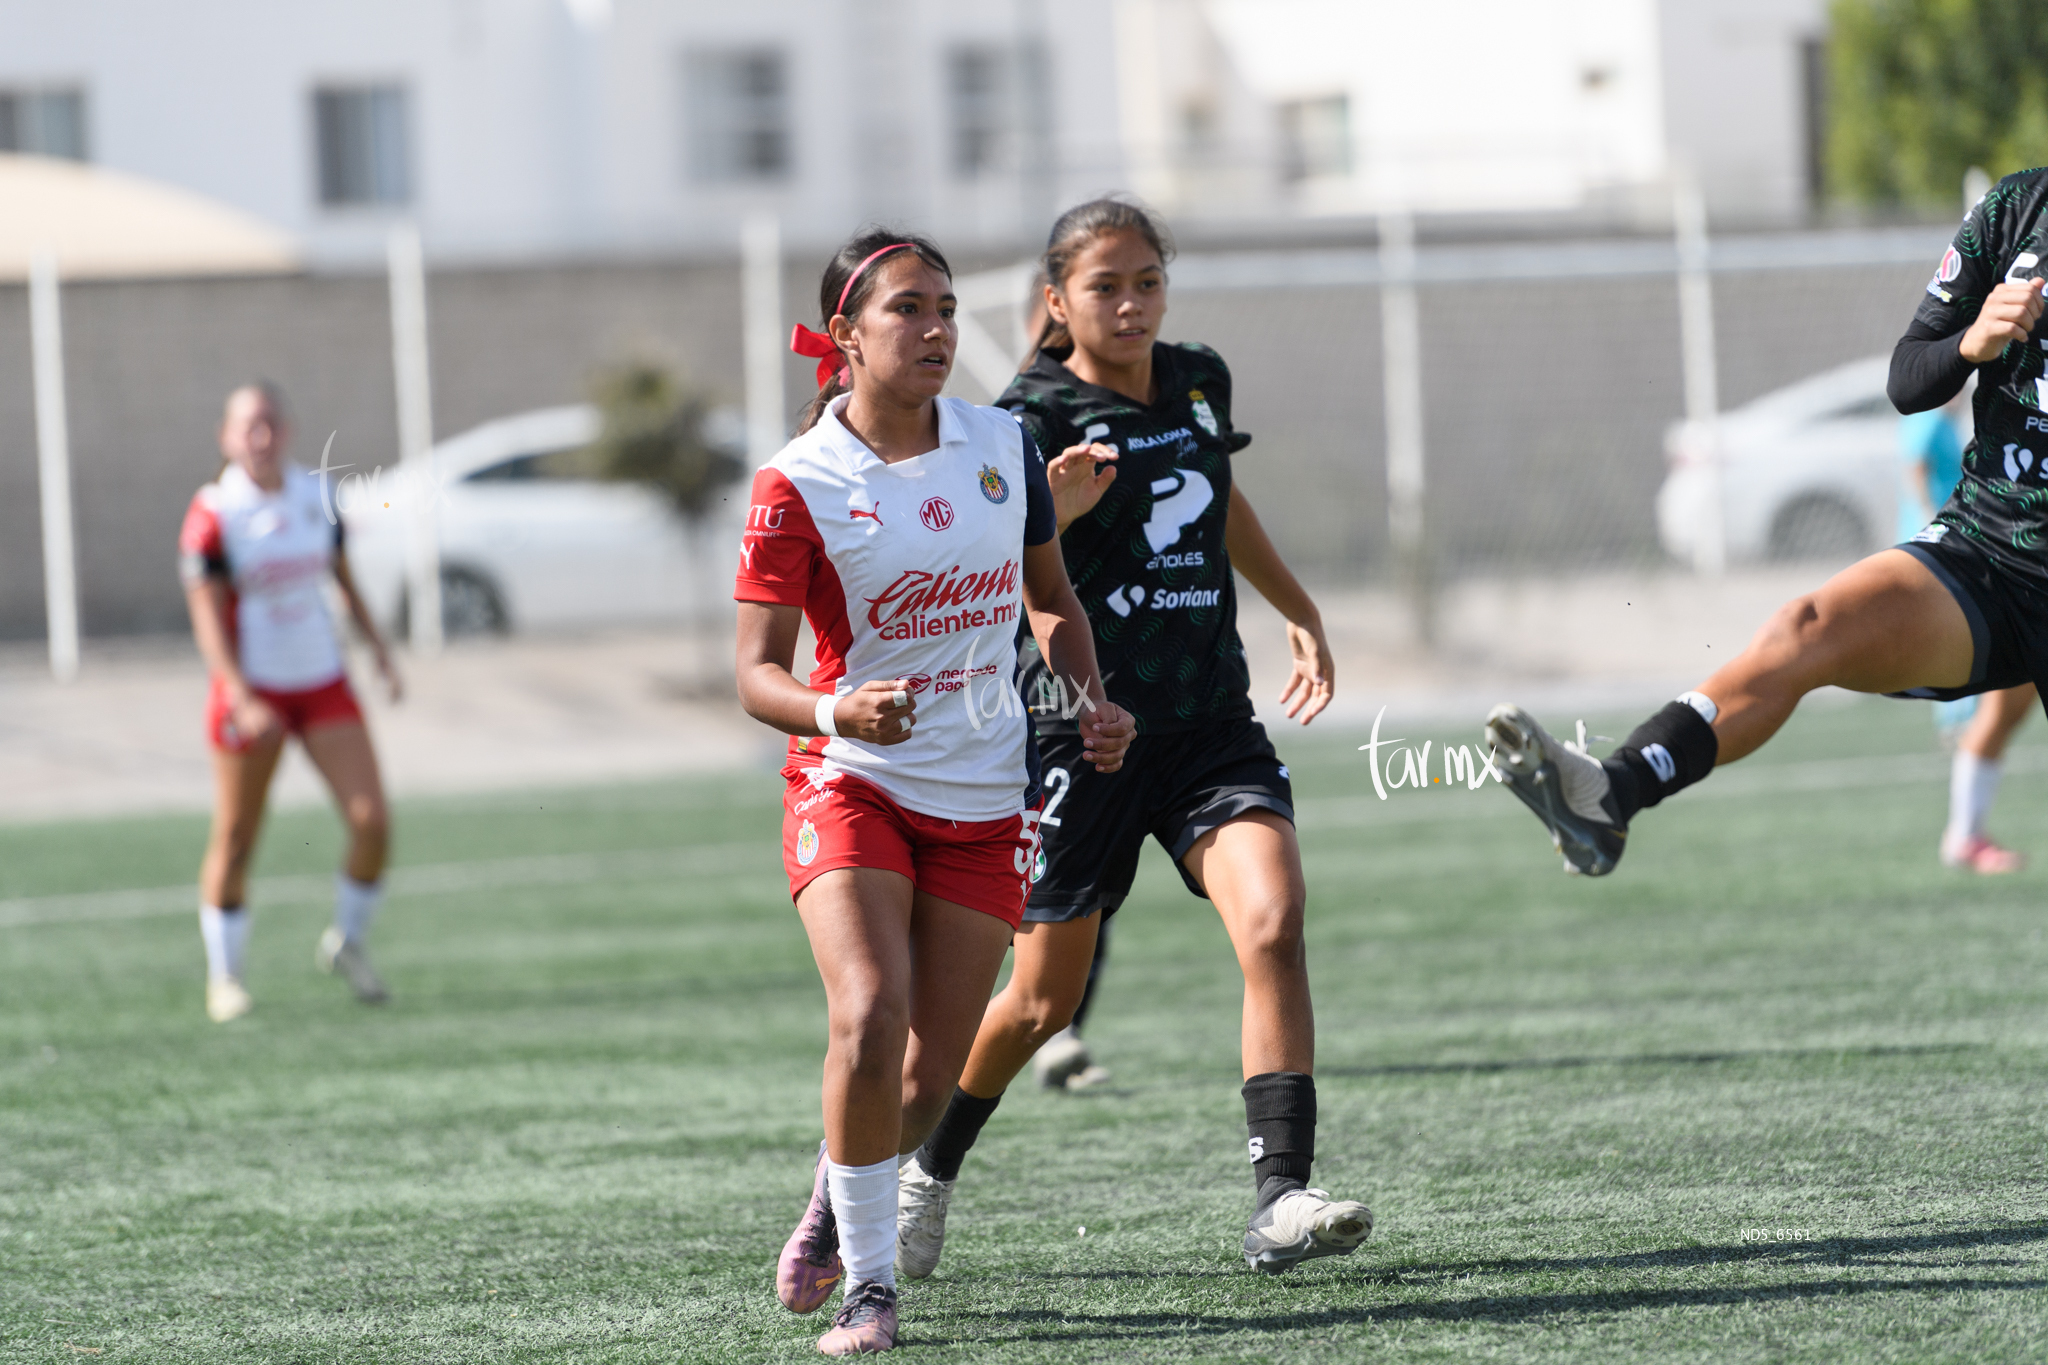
<point x="1958" y="610"/>
<point x="255" y="554"/>
<point x="1976" y="728"/>
<point x="910" y="530"/>
<point x="1152" y="527"/>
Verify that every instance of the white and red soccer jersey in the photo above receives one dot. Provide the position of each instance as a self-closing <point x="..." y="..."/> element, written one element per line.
<point x="275" y="551"/>
<point x="910" y="570"/>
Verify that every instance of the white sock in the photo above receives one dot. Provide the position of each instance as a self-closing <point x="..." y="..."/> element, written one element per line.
<point x="1702" y="703"/>
<point x="1972" y="785"/>
<point x="355" y="905"/>
<point x="225" y="932"/>
<point x="864" y="1202"/>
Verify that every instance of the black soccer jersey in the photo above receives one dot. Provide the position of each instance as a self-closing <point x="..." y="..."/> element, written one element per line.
<point x="1148" y="562"/>
<point x="2002" y="502"/>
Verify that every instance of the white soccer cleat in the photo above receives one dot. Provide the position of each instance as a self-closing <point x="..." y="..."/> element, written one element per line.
<point x="921" y="1200"/>
<point x="1565" y="786"/>
<point x="1302" y="1225"/>
<point x="225" y="999"/>
<point x="1064" y="1062"/>
<point x="336" y="955"/>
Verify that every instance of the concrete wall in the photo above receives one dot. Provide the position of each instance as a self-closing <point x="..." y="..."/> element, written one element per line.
<point x="1546" y="401"/>
<point x="149" y="363"/>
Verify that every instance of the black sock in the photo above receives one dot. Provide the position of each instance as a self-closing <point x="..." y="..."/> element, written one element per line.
<point x="1280" y="1112"/>
<point x="1094" y="975"/>
<point x="1666" y="753"/>
<point x="950" y="1142"/>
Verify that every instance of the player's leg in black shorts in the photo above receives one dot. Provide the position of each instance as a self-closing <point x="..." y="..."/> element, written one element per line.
<point x="2008" y="617"/>
<point x="1175" y="787"/>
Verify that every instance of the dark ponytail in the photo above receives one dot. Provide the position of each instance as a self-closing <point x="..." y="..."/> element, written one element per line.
<point x="1079" y="226"/>
<point x="832" y="286"/>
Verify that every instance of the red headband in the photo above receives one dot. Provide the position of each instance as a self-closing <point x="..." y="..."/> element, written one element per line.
<point x="805" y="342"/>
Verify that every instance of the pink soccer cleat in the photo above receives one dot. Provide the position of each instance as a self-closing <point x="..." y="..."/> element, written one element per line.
<point x="809" y="1267"/>
<point x="1979" y="854"/>
<point x="865" y="1323"/>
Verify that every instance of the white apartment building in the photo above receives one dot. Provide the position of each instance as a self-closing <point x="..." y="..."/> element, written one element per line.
<point x="524" y="129"/>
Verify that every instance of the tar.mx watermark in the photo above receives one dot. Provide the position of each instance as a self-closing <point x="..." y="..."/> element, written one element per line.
<point x="1462" y="765"/>
<point x="410" y="484"/>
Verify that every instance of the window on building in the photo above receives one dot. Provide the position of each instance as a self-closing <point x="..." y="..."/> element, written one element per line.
<point x="48" y="122"/>
<point x="737" y="108"/>
<point x="1201" y="129"/>
<point x="1316" y="137"/>
<point x="362" y="142"/>
<point x="977" y="90"/>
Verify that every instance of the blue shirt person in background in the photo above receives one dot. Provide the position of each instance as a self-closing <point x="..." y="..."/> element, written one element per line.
<point x="1979" y="728"/>
<point x="1931" y="451"/>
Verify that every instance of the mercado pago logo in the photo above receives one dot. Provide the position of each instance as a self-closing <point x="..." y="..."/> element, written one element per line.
<point x="1397" y="763"/>
<point x="920" y="605"/>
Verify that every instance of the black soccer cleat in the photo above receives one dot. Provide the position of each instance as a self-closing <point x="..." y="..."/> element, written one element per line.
<point x="1567" y="788"/>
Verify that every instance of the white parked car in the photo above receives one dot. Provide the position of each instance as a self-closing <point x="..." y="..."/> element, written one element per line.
<point x="1810" y="471"/>
<point x="527" y="539"/>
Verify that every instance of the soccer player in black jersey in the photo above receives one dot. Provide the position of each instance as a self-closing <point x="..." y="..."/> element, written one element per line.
<point x="1152" y="526"/>
<point x="1960" y="609"/>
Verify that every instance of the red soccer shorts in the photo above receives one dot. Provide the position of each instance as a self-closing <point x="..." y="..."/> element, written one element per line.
<point x="298" y="711"/>
<point x="843" y="821"/>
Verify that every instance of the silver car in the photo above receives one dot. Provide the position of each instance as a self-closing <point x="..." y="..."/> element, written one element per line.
<point x="527" y="538"/>
<point x="1809" y="471"/>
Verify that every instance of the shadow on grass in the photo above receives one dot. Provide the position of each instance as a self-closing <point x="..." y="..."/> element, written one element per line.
<point x="1819" y="1250"/>
<point x="1827" y="1250"/>
<point x="1646" y="1059"/>
<point x="1506" y="1308"/>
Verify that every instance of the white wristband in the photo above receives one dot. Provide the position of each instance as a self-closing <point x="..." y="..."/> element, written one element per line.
<point x="825" y="705"/>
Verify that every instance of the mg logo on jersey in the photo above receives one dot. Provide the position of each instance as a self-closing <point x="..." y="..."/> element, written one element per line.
<point x="936" y="514"/>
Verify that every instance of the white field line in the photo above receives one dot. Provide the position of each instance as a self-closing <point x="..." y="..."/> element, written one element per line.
<point x="565" y="869"/>
<point x="431" y="879"/>
<point x="1817" y="775"/>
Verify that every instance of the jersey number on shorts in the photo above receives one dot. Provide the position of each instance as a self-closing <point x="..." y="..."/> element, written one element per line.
<point x="1057" y="780"/>
<point x="1028" y="839"/>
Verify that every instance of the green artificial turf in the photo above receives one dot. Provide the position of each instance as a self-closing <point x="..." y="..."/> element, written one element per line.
<point x="1774" y="1091"/>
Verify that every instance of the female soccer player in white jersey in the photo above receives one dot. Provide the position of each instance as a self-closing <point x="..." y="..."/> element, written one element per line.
<point x="257" y="548"/>
<point x="912" y="531"/>
<point x="1152" y="528"/>
<point x="1957" y="610"/>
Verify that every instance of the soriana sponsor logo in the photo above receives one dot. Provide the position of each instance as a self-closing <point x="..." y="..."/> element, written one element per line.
<point x="920" y="603"/>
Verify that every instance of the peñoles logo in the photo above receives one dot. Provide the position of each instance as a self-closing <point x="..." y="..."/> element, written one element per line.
<point x="917" y="603"/>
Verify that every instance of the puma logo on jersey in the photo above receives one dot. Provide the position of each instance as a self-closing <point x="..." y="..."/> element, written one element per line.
<point x="1184" y="502"/>
<point x="855" y="514"/>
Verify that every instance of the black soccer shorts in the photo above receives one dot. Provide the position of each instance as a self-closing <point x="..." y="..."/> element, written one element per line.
<point x="2008" y="617"/>
<point x="1175" y="787"/>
